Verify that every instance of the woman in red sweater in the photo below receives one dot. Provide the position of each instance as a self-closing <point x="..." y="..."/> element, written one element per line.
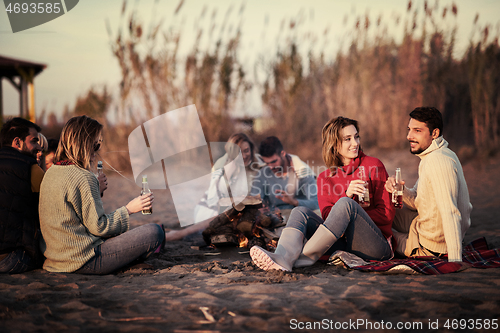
<point x="345" y="225"/>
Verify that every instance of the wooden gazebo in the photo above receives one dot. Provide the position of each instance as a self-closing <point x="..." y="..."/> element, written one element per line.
<point x="25" y="73"/>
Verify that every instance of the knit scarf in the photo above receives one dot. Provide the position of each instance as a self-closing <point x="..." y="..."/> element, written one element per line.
<point x="64" y="162"/>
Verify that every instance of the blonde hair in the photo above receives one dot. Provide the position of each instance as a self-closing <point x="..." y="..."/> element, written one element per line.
<point x="237" y="139"/>
<point x="331" y="138"/>
<point x="77" y="141"/>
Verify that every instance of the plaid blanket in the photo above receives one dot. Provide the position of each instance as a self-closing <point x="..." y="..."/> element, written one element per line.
<point x="476" y="254"/>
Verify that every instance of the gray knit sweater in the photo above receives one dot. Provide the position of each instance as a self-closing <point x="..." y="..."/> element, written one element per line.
<point x="72" y="218"/>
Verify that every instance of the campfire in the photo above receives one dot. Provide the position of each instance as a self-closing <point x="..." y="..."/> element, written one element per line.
<point x="246" y="224"/>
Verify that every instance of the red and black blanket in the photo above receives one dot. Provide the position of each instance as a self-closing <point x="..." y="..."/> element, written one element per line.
<point x="476" y="254"/>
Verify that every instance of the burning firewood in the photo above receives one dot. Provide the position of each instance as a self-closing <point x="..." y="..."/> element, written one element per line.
<point x="242" y="225"/>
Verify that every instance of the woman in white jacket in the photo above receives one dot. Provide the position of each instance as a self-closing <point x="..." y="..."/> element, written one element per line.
<point x="239" y="174"/>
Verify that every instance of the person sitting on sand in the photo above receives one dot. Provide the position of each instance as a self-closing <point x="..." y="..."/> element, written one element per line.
<point x="436" y="212"/>
<point x="239" y="178"/>
<point x="20" y="178"/>
<point x="287" y="181"/>
<point x="50" y="153"/>
<point x="77" y="234"/>
<point x="40" y="156"/>
<point x="345" y="225"/>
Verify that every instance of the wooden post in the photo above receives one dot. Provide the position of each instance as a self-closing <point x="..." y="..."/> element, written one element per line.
<point x="27" y="94"/>
<point x="31" y="96"/>
<point x="23" y="99"/>
<point x="21" y="74"/>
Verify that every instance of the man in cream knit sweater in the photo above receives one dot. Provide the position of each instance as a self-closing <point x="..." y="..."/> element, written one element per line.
<point x="437" y="209"/>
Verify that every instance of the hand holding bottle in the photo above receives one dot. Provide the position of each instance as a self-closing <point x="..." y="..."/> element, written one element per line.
<point x="101" y="177"/>
<point x="356" y="187"/>
<point x="397" y="194"/>
<point x="390" y="184"/>
<point x="141" y="203"/>
<point x="146" y="190"/>
<point x="103" y="183"/>
<point x="363" y="200"/>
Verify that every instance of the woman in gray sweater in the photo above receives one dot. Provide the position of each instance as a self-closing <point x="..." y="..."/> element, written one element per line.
<point x="77" y="234"/>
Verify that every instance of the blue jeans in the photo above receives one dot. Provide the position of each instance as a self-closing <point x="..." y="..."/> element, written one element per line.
<point x="18" y="261"/>
<point x="350" y="224"/>
<point x="123" y="249"/>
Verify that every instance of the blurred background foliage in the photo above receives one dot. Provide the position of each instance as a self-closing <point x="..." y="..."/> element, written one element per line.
<point x="374" y="79"/>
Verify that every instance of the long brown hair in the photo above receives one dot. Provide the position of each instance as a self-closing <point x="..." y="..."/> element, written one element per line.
<point x="77" y="143"/>
<point x="331" y="138"/>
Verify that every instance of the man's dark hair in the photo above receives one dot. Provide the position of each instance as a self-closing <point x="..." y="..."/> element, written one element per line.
<point x="16" y="128"/>
<point x="53" y="143"/>
<point x="430" y="116"/>
<point x="270" y="146"/>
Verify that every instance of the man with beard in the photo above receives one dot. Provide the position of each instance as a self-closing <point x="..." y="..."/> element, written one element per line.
<point x="286" y="181"/>
<point x="20" y="179"/>
<point x="436" y="212"/>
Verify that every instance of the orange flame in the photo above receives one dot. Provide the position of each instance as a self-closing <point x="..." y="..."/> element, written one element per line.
<point x="272" y="244"/>
<point x="243" y="241"/>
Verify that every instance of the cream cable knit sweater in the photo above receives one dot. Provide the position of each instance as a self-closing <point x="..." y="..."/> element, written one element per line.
<point x="442" y="200"/>
<point x="72" y="218"/>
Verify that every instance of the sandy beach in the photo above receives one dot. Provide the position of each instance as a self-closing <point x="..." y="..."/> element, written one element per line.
<point x="185" y="289"/>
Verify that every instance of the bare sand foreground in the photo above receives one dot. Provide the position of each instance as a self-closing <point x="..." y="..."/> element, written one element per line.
<point x="188" y="291"/>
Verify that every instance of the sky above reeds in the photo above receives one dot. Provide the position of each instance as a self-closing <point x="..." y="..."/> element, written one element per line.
<point x="76" y="46"/>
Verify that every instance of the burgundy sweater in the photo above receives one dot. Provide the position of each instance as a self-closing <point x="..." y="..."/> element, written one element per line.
<point x="332" y="187"/>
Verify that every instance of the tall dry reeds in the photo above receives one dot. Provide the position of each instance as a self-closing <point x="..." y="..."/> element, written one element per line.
<point x="97" y="103"/>
<point x="156" y="79"/>
<point x="378" y="81"/>
<point x="483" y="69"/>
